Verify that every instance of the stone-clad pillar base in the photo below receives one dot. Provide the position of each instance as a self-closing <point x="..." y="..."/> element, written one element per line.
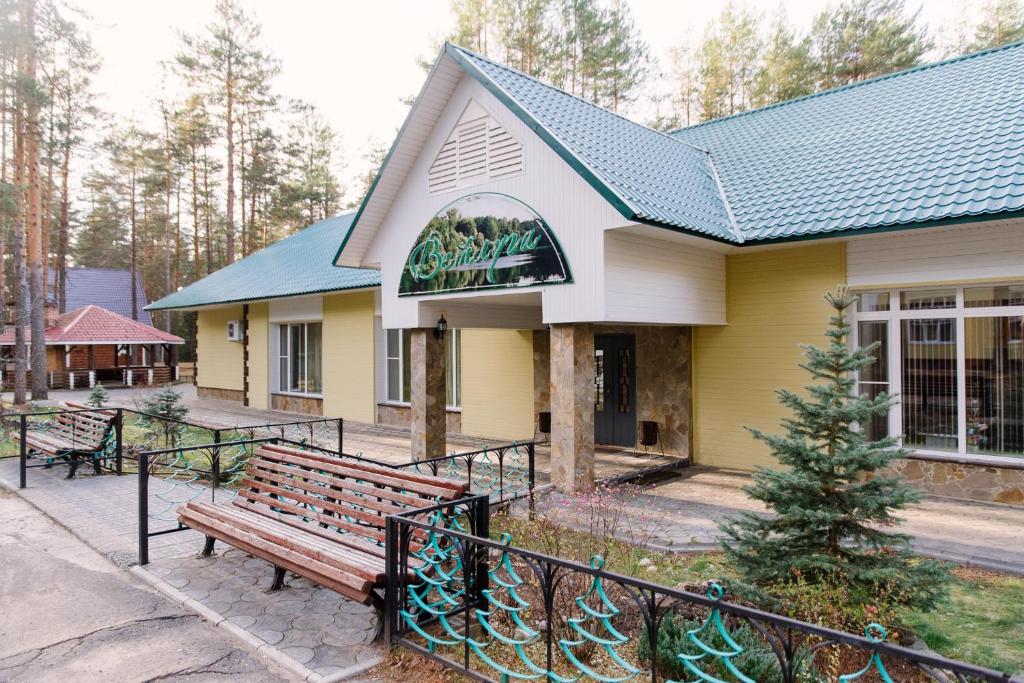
<point x="572" y="406"/>
<point x="427" y="386"/>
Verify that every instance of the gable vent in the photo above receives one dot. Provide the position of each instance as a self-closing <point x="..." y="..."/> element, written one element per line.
<point x="477" y="151"/>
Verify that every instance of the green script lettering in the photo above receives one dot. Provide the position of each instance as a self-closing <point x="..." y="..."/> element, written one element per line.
<point x="427" y="259"/>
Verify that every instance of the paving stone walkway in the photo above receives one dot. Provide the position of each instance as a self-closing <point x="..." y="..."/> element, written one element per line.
<point x="316" y="627"/>
<point x="682" y="513"/>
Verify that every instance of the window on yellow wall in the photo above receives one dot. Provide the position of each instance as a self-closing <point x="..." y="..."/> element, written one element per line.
<point x="300" y="353"/>
<point x="954" y="357"/>
<point x="399" y="372"/>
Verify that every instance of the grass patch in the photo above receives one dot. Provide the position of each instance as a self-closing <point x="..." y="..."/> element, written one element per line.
<point x="982" y="622"/>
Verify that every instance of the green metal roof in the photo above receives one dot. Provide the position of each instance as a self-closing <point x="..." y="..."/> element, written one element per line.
<point x="940" y="142"/>
<point x="647" y="175"/>
<point x="299" y="264"/>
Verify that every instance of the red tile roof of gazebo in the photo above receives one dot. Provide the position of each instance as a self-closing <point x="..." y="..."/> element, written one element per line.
<point x="95" y="325"/>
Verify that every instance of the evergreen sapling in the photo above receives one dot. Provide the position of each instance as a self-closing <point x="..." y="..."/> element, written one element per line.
<point x="99" y="396"/>
<point x="830" y="503"/>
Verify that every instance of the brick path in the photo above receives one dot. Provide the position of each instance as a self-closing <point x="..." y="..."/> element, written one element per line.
<point x="683" y="512"/>
<point x="315" y="626"/>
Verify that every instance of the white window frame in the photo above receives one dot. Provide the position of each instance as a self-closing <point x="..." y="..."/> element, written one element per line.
<point x="453" y="352"/>
<point x="959" y="313"/>
<point x="285" y="354"/>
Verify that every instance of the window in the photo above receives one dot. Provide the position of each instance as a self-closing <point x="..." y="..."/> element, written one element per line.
<point x="955" y="358"/>
<point x="299" y="358"/>
<point x="398" y="370"/>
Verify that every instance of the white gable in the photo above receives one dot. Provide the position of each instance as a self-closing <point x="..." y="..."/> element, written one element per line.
<point x="477" y="150"/>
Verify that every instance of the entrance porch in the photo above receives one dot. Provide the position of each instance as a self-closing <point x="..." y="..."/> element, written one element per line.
<point x="605" y="396"/>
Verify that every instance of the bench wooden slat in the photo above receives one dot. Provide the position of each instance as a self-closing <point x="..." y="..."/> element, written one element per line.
<point x="431" y="486"/>
<point x="371" y="532"/>
<point x="286" y="463"/>
<point x="282" y="557"/>
<point x="320" y="516"/>
<point x="263" y="469"/>
<point x="294" y="539"/>
<point x="454" y="489"/>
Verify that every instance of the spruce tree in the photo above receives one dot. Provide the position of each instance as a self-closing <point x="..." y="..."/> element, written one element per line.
<point x="830" y="502"/>
<point x="98" y="396"/>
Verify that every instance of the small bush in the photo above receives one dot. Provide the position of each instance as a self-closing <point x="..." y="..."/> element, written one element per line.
<point x="756" y="661"/>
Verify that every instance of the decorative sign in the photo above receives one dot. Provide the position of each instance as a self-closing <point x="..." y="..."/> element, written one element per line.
<point x="483" y="241"/>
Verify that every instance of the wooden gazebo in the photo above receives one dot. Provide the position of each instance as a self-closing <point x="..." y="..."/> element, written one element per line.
<point x="91" y="344"/>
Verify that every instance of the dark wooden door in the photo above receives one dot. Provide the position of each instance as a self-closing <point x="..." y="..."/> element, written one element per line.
<point x="615" y="389"/>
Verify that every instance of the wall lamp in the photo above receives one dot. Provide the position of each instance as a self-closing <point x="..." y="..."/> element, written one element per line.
<point x="442" y="327"/>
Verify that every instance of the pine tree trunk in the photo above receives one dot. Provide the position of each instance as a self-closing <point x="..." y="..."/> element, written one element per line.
<point x="195" y="215"/>
<point x="230" y="134"/>
<point x="62" y="238"/>
<point x="21" y="201"/>
<point x="48" y="199"/>
<point x="241" y="185"/>
<point x="34" y="214"/>
<point x="133" y="219"/>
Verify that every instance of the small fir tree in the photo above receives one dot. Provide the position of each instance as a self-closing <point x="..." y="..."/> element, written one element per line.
<point x="167" y="404"/>
<point x="99" y="396"/>
<point x="830" y="503"/>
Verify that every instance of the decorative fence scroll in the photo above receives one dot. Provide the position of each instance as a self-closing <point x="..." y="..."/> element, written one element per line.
<point x="498" y="612"/>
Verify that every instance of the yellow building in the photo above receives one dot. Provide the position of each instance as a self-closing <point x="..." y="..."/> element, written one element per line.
<point x="538" y="260"/>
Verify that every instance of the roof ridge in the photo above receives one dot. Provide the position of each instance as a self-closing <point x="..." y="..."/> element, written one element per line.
<point x="569" y="94"/>
<point x="850" y="86"/>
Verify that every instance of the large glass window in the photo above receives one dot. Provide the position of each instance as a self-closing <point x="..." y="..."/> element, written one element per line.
<point x="874" y="378"/>
<point x="300" y="356"/>
<point x="398" y="367"/>
<point x="955" y="358"/>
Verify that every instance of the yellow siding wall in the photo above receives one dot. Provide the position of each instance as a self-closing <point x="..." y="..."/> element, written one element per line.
<point x="220" y="360"/>
<point x="773" y="304"/>
<point x="349" y="356"/>
<point x="259" y="366"/>
<point x="497" y="383"/>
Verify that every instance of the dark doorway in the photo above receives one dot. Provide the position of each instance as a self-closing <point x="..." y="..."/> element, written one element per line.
<point x="615" y="387"/>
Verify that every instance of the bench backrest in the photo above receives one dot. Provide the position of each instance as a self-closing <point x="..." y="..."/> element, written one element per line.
<point x="88" y="429"/>
<point x="352" y="496"/>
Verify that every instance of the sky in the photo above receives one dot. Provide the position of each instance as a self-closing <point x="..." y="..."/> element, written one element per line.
<point x="356" y="60"/>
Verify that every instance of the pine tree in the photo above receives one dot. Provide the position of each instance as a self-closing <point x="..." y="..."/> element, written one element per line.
<point x="98" y="396"/>
<point x="832" y="499"/>
<point x="1002" y="22"/>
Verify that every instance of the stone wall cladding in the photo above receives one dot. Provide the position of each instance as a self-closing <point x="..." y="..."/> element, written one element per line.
<point x="663" y="382"/>
<point x="428" y="422"/>
<point x="572" y="405"/>
<point x="962" y="480"/>
<point x="401" y="416"/>
<point x="221" y="394"/>
<point x="309" y="405"/>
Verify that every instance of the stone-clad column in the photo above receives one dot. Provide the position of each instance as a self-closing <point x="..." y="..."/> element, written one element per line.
<point x="427" y="386"/>
<point x="572" y="406"/>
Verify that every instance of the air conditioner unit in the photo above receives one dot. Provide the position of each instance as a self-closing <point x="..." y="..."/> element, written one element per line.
<point x="235" y="333"/>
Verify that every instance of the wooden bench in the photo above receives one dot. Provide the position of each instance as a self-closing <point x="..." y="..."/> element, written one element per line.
<point x="74" y="437"/>
<point x="318" y="516"/>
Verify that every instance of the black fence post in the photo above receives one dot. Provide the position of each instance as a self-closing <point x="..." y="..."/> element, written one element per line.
<point x="391" y="534"/>
<point x="482" y="529"/>
<point x="215" y="464"/>
<point x="118" y="432"/>
<point x="341" y="436"/>
<point x="23" y="452"/>
<point x="531" y="451"/>
<point x="143" y="507"/>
